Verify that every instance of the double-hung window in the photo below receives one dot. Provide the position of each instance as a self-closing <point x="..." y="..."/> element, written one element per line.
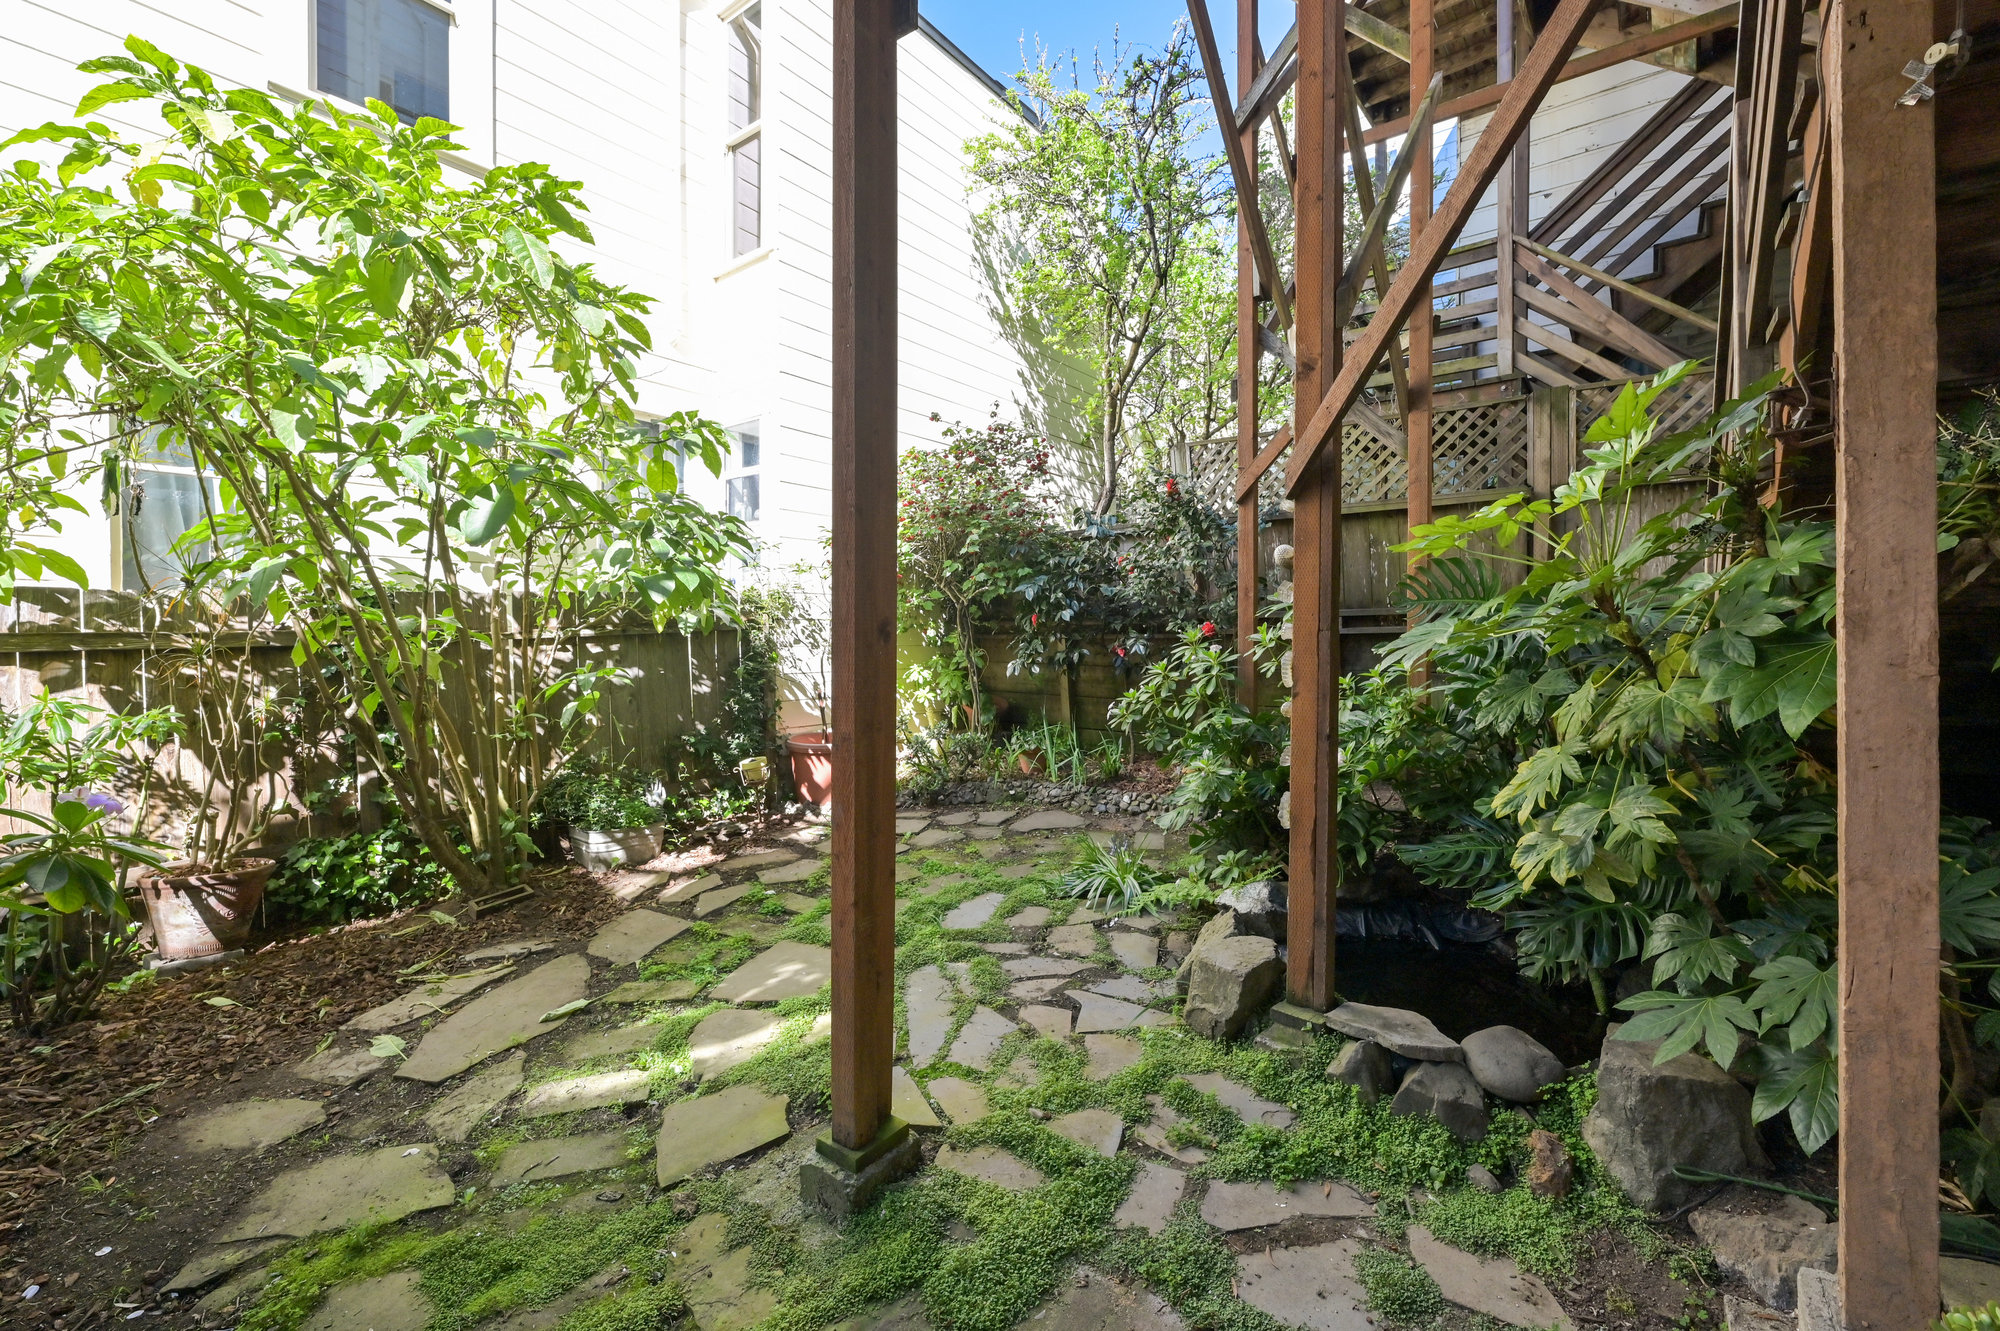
<point x="742" y="492"/>
<point x="396" y="51"/>
<point x="746" y="139"/>
<point x="164" y="497"/>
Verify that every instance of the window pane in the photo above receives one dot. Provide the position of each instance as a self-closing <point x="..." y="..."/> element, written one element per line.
<point x="742" y="498"/>
<point x="749" y="202"/>
<point x="749" y="443"/>
<point x="392" y="50"/>
<point x="746" y="68"/>
<point x="158" y="507"/>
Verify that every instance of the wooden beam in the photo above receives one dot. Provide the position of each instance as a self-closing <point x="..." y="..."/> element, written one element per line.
<point x="1885" y="565"/>
<point x="1510" y="195"/>
<point x="1367" y="256"/>
<point x="1474" y="102"/>
<point x="865" y="190"/>
<point x="1364" y="195"/>
<point x="1315" y="833"/>
<point x="1524" y="94"/>
<point x="1638" y="293"/>
<point x="1248" y="348"/>
<point x="1629" y="156"/>
<point x="1277" y="77"/>
<point x="1812" y="257"/>
<point x="1595" y="317"/>
<point x="1769" y="151"/>
<point x="1543" y="335"/>
<point x="1239" y="166"/>
<point x="1417" y="147"/>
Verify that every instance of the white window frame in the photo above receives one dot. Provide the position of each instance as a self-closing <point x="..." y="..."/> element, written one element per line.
<point x="734" y="470"/>
<point x="469" y="62"/>
<point x="134" y="473"/>
<point x="732" y="262"/>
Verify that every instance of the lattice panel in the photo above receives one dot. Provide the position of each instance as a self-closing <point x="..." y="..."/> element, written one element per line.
<point x="1679" y="408"/>
<point x="1480" y="448"/>
<point x="1371" y="468"/>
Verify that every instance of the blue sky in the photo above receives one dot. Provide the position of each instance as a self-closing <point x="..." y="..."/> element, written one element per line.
<point x="991" y="31"/>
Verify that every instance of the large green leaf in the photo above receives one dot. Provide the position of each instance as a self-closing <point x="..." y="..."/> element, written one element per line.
<point x="1798" y="995"/>
<point x="1808" y="1084"/>
<point x="1794" y="677"/>
<point x="488" y="510"/>
<point x="1682" y="1021"/>
<point x="530" y="253"/>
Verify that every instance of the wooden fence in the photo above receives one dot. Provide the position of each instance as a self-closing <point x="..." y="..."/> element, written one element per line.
<point x="107" y="648"/>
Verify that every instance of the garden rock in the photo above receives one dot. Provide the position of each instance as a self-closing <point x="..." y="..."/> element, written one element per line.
<point x="425" y="1001"/>
<point x="1648" y="1119"/>
<point x="1491" y="1285"/>
<point x="1234" y="1206"/>
<point x="906" y="1100"/>
<point x="993" y="1165"/>
<point x="1219" y="927"/>
<point x="1099" y="1130"/>
<point x="1313" y="1287"/>
<point x="1510" y="1063"/>
<point x="781" y="971"/>
<point x="248" y="1125"/>
<point x="1484" y="1179"/>
<point x="962" y="1101"/>
<point x="973" y="914"/>
<point x="1094" y="1012"/>
<point x="1109" y="1055"/>
<point x="454" y="1116"/>
<point x="560" y="1157"/>
<point x="1963" y="1283"/>
<point x="1155" y="1194"/>
<point x="1259" y="907"/>
<point x="1766" y="1251"/>
<point x="1398" y="1030"/>
<point x="695" y="1134"/>
<point x="634" y="935"/>
<point x="386" y="1303"/>
<point x="1242" y="1101"/>
<point x="385" y="1185"/>
<point x="1446" y="1092"/>
<point x="1229" y="982"/>
<point x="979" y="1039"/>
<point x="729" y="1037"/>
<point x="1365" y="1066"/>
<point x="1551" y="1173"/>
<point x="575" y="1094"/>
<point x="498" y="1020"/>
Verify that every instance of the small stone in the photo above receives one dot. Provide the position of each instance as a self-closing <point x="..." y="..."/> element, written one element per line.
<point x="341" y="1067"/>
<point x="1446" y="1092"/>
<point x="781" y="971"/>
<point x="1819" y="1301"/>
<point x="1024" y="968"/>
<point x="1051" y="1022"/>
<point x="687" y="889"/>
<point x="1550" y="1171"/>
<point x="1491" y="1285"/>
<point x="1313" y="1287"/>
<point x="1135" y="952"/>
<point x="1219" y="927"/>
<point x="575" y="1094"/>
<point x="962" y="1101"/>
<point x="634" y="935"/>
<point x="1511" y="1064"/>
<point x="1155" y="1194"/>
<point x="1241" y="1101"/>
<point x="1484" y="1179"/>
<point x="695" y="1134"/>
<point x="1097" y="1013"/>
<point x="498" y="1020"/>
<point x="1229" y="982"/>
<point x="653" y="991"/>
<point x="992" y="1165"/>
<point x="906" y="1100"/>
<point x="1767" y="1249"/>
<point x="1398" y="1030"/>
<point x="1365" y="1065"/>
<point x="1233" y="1206"/>
<point x="730" y="1037"/>
<point x="453" y="1117"/>
<point x="385" y="1184"/>
<point x="559" y="1157"/>
<point x="979" y="1039"/>
<point x="1077" y="940"/>
<point x="248" y="1125"/>
<point x="1098" y="1129"/>
<point x="1109" y="1055"/>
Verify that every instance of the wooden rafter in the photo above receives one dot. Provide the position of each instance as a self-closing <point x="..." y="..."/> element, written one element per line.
<point x="1524" y="94"/>
<point x="1249" y="60"/>
<point x="1367" y="256"/>
<point x="1261" y="98"/>
<point x="1638" y="293"/>
<point x="1239" y="163"/>
<point x="1364" y="194"/>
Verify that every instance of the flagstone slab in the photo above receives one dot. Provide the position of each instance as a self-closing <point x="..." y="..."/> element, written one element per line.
<point x="781" y="971"/>
<point x="1032" y="917"/>
<point x="994" y="817"/>
<point x="911" y="826"/>
<point x="1047" y="820"/>
<point x="1109" y="1055"/>
<point x="1233" y="1206"/>
<point x="611" y="1042"/>
<point x="385" y="1184"/>
<point x="1094" y="1012"/>
<point x="1093" y="1302"/>
<point x="907" y="1102"/>
<point x="575" y="1094"/>
<point x="906" y="872"/>
<point x="1077" y="940"/>
<point x="757" y="860"/>
<point x="1099" y="1130"/>
<point x="453" y="1117"/>
<point x="559" y="1157"/>
<point x="979" y="1039"/>
<point x="385" y="1303"/>
<point x="1491" y="1285"/>
<point x="959" y="819"/>
<point x="992" y="1165"/>
<point x="928" y="1000"/>
<point x="1154" y="1134"/>
<point x="1052" y="1022"/>
<point x="498" y="1020"/>
<point x="721" y="898"/>
<point x="1313" y="1287"/>
<point x="1028" y="968"/>
<point x="936" y="836"/>
<point x="248" y="1125"/>
<point x="211" y="1264"/>
<point x="1019" y="871"/>
<point x="510" y="951"/>
<point x="1132" y="989"/>
<point x="789" y="873"/>
<point x="1135" y="952"/>
<point x="426" y="1000"/>
<point x="962" y="1101"/>
<point x="653" y="991"/>
<point x="1034" y="991"/>
<point x="341" y="1067"/>
<point x="797" y="902"/>
<point x="1086" y="916"/>
<point x="983" y="833"/>
<point x="716" y="1278"/>
<point x="973" y="914"/>
<point x="687" y="889"/>
<point x="729" y="1037"/>
<point x="635" y="935"/>
<point x="710" y="1129"/>
<point x="1242" y="1101"/>
<point x="1155" y="1194"/>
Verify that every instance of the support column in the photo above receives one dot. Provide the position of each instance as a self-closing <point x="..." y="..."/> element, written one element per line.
<point x="1247" y="356"/>
<point x="1511" y="199"/>
<point x="1315" y="862"/>
<point x="1885" y="360"/>
<point x="865" y="1145"/>
<point x="1423" y="198"/>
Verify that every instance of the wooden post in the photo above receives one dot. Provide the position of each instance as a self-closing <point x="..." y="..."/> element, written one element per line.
<point x="1511" y="204"/>
<point x="864" y="567"/>
<point x="1315" y="861"/>
<point x="1423" y="195"/>
<point x="1247" y="355"/>
<point x="1885" y="460"/>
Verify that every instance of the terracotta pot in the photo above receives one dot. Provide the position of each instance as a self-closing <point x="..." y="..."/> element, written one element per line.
<point x="1031" y="762"/>
<point x="598" y="849"/>
<point x="201" y="914"/>
<point x="812" y="767"/>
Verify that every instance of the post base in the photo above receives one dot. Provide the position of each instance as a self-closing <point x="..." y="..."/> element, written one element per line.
<point x="843" y="1182"/>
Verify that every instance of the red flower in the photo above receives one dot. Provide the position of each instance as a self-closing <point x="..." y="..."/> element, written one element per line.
<point x="1208" y="629"/>
<point x="1119" y="650"/>
<point x="1172" y="488"/>
<point x="1034" y="621"/>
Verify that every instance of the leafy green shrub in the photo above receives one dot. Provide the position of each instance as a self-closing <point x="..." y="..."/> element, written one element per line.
<point x="1970" y="1319"/>
<point x="331" y="880"/>
<point x="1112" y="878"/>
<point x="1398" y="1288"/>
<point x="588" y="795"/>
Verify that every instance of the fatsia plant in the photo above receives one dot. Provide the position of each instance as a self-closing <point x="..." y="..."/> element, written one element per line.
<point x="414" y="418"/>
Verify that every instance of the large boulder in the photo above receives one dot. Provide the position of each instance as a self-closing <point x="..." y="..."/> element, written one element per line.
<point x="1365" y="1066"/>
<point x="1259" y="907"/>
<point x="1686" y="1111"/>
<point x="1767" y="1247"/>
<point x="1221" y="925"/>
<point x="1229" y="982"/>
<point x="1398" y="1030"/>
<point x="1510" y="1063"/>
<point x="1446" y="1092"/>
